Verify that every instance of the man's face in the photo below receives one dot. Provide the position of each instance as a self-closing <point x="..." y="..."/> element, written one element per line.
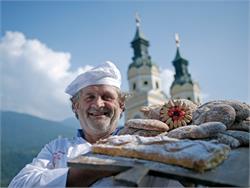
<point x="98" y="109"/>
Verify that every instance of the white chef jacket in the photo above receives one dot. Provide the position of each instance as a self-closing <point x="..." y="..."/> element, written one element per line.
<point x="49" y="168"/>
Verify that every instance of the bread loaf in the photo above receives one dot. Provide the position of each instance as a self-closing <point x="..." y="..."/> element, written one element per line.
<point x="204" y="130"/>
<point x="243" y="125"/>
<point x="241" y="136"/>
<point x="214" y="112"/>
<point x="140" y="132"/>
<point x="197" y="155"/>
<point x="228" y="140"/>
<point x="147" y="124"/>
<point x="151" y="112"/>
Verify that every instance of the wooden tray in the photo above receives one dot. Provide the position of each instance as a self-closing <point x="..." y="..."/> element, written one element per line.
<point x="234" y="171"/>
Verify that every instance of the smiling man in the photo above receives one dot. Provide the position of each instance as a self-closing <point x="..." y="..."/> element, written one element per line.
<point x="98" y="104"/>
<point x="98" y="109"/>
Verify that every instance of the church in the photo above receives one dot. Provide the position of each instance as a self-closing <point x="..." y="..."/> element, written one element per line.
<point x="144" y="80"/>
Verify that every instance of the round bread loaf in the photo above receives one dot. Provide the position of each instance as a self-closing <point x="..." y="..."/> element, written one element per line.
<point x="214" y="112"/>
<point x="242" y="109"/>
<point x="204" y="130"/>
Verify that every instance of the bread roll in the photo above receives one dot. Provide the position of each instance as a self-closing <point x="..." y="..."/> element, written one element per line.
<point x="241" y="136"/>
<point x="151" y="112"/>
<point x="147" y="124"/>
<point x="204" y="130"/>
<point x="228" y="140"/>
<point x="243" y="125"/>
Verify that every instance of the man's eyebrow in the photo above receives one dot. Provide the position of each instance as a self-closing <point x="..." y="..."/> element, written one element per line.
<point x="89" y="93"/>
<point x="109" y="92"/>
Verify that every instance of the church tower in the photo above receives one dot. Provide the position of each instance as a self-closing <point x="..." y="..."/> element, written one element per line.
<point x="143" y="77"/>
<point x="183" y="86"/>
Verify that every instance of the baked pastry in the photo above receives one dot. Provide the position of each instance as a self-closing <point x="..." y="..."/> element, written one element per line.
<point x="243" y="125"/>
<point x="242" y="136"/>
<point x="147" y="124"/>
<point x="214" y="112"/>
<point x="227" y="139"/>
<point x="153" y="111"/>
<point x="197" y="155"/>
<point x="140" y="132"/>
<point x="204" y="130"/>
<point x="242" y="109"/>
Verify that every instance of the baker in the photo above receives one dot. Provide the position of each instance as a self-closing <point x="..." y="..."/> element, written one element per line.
<point x="98" y="103"/>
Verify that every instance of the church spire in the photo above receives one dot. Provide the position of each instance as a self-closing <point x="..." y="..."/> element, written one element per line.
<point x="182" y="75"/>
<point x="139" y="34"/>
<point x="140" y="46"/>
<point x="183" y="86"/>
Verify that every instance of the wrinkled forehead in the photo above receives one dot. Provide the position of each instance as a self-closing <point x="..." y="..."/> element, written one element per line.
<point x="100" y="89"/>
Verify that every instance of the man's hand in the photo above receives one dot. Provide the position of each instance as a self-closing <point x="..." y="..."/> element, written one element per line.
<point x="78" y="177"/>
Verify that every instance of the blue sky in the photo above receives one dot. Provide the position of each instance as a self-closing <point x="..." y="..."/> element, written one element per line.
<point x="74" y="35"/>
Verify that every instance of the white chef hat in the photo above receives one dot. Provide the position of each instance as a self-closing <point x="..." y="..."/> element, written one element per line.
<point x="106" y="73"/>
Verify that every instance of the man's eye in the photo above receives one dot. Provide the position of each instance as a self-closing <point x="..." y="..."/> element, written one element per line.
<point x="90" y="97"/>
<point x="107" y="98"/>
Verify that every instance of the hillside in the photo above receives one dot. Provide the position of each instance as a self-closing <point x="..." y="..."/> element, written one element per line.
<point x="23" y="136"/>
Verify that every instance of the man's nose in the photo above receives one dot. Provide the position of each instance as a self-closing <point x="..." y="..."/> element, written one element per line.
<point x="99" y="102"/>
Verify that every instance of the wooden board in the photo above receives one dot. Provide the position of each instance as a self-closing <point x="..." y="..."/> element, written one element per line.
<point x="234" y="171"/>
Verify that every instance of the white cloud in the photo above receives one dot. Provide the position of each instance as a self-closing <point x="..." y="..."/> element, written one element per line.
<point x="34" y="77"/>
<point x="167" y="77"/>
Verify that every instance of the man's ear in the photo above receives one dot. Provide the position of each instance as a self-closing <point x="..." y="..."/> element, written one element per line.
<point x="122" y="103"/>
<point x="75" y="106"/>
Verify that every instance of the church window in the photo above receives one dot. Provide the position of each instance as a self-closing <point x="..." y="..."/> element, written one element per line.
<point x="145" y="83"/>
<point x="134" y="86"/>
<point x="157" y="85"/>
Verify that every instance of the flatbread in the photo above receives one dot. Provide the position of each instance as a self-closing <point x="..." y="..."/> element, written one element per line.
<point x="197" y="155"/>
